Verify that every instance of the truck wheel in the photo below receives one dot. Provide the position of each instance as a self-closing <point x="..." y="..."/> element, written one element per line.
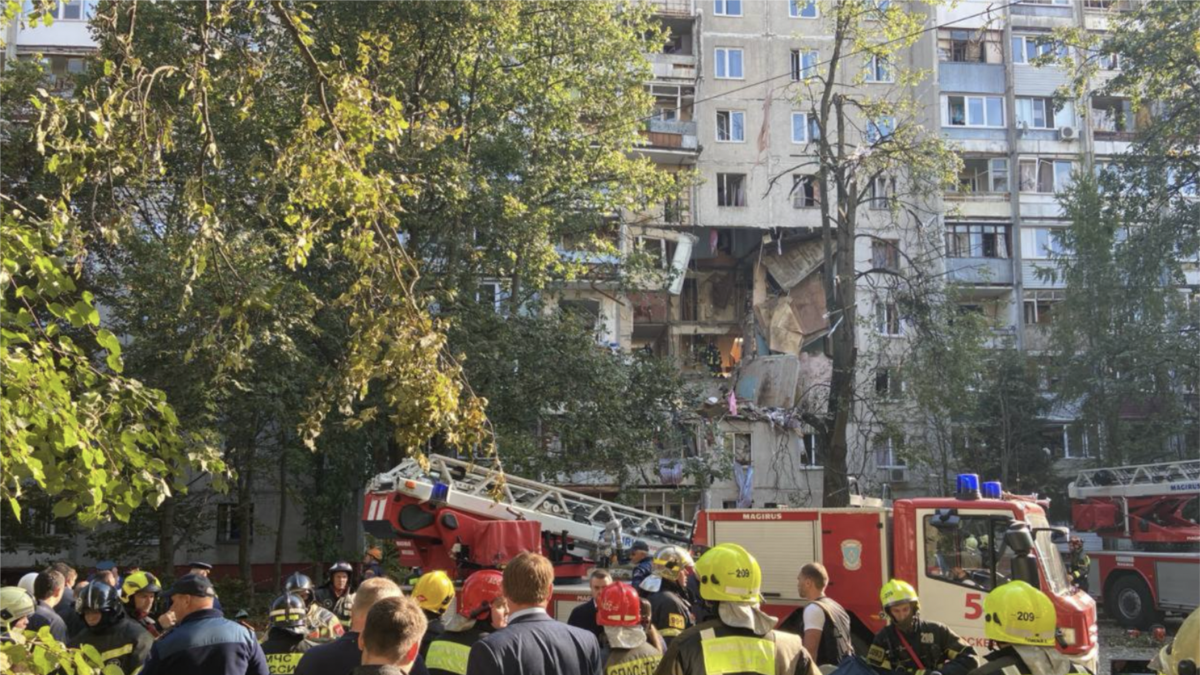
<point x="1130" y="603"/>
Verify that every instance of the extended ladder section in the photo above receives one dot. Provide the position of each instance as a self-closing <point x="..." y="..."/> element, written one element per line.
<point x="596" y="524"/>
<point x="1146" y="504"/>
<point x="1146" y="480"/>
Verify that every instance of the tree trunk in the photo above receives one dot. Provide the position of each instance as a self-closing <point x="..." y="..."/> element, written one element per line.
<point x="282" y="522"/>
<point x="166" y="537"/>
<point x="245" y="516"/>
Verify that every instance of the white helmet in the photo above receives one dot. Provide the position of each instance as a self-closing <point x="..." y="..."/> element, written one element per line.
<point x="27" y="581"/>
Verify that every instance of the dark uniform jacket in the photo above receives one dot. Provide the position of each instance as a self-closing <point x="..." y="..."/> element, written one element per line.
<point x="433" y="630"/>
<point x="1003" y="660"/>
<point x="1079" y="564"/>
<point x="939" y="649"/>
<point x="641" y="660"/>
<point x="284" y="650"/>
<point x="713" y="647"/>
<point x="669" y="612"/>
<point x="340" y="657"/>
<point x="535" y="644"/>
<point x="836" y="643"/>
<point x="44" y="615"/>
<point x="124" y="644"/>
<point x="206" y="643"/>
<point x="339" y="605"/>
<point x="640" y="572"/>
<point x="448" y="654"/>
<point x="584" y="616"/>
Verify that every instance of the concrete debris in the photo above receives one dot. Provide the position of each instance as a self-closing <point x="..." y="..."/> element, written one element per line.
<point x="796" y="262"/>
<point x="769" y="381"/>
<point x="779" y="325"/>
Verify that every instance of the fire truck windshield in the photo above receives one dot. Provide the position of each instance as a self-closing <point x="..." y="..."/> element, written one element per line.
<point x="1052" y="562"/>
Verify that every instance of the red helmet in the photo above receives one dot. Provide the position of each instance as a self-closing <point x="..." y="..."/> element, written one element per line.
<point x="619" y="605"/>
<point x="478" y="593"/>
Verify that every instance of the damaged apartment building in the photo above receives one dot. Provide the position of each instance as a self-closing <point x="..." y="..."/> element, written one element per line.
<point x="744" y="310"/>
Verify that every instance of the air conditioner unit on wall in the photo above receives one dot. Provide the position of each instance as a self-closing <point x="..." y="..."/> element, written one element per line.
<point x="894" y="474"/>
<point x="1068" y="133"/>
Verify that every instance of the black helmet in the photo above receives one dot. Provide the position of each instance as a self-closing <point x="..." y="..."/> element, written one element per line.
<point x="300" y="585"/>
<point x="288" y="613"/>
<point x="341" y="566"/>
<point x="100" y="597"/>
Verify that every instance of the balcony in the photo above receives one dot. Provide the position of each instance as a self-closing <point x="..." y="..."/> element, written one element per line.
<point x="670" y="141"/>
<point x="980" y="271"/>
<point x="971" y="78"/>
<point x="673" y="66"/>
<point x="672" y="7"/>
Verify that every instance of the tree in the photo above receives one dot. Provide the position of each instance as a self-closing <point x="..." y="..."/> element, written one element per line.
<point x="865" y="133"/>
<point x="1005" y="439"/>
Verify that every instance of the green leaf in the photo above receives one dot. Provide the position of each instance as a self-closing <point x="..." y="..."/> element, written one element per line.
<point x="63" y="508"/>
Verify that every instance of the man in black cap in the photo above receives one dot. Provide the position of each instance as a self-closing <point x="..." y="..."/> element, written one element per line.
<point x="204" y="642"/>
<point x="203" y="569"/>
<point x="639" y="555"/>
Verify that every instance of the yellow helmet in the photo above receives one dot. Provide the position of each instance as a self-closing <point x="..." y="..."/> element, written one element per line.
<point x="1185" y="647"/>
<point x="728" y="573"/>
<point x="15" y="604"/>
<point x="434" y="591"/>
<point x="897" y="591"/>
<point x="1017" y="613"/>
<point x="670" y="561"/>
<point x="138" y="582"/>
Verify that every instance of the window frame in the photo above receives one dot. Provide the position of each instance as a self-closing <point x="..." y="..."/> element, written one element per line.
<point x="1054" y="173"/>
<point x="996" y="526"/>
<point x="883" y="322"/>
<point x="799" y="69"/>
<point x="721" y="58"/>
<point x="880" y="128"/>
<point x="723" y="179"/>
<point x="804" y="126"/>
<point x="721" y="8"/>
<point x="884" y="201"/>
<point x="800" y="195"/>
<point x="956" y="231"/>
<point x="1022" y="57"/>
<point x="947" y="118"/>
<point x="880" y="70"/>
<point x="731" y="114"/>
<point x="795" y="12"/>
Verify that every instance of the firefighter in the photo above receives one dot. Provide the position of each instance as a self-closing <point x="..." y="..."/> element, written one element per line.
<point x="337" y="594"/>
<point x="1020" y="621"/>
<point x="120" y="640"/>
<point x="1079" y="564"/>
<point x="285" y="642"/>
<point x="712" y="357"/>
<point x="371" y="563"/>
<point x="139" y="591"/>
<point x="670" y="613"/>
<point x="1181" y="655"/>
<point x="16" y="606"/>
<point x="619" y="612"/>
<point x="740" y="638"/>
<point x="913" y="646"/>
<point x="448" y="652"/>
<point x="434" y="592"/>
<point x="323" y="626"/>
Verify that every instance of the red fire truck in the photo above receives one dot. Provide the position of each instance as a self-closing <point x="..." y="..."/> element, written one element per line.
<point x="1146" y="517"/>
<point x="459" y="517"/>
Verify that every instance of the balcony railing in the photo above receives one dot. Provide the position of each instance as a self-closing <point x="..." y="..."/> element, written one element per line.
<point x="673" y="7"/>
<point x="672" y="134"/>
<point x="673" y="66"/>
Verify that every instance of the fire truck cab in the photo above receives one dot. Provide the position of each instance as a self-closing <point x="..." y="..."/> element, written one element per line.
<point x="952" y="550"/>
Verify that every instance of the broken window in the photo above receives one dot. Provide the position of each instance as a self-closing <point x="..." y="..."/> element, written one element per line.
<point x="883" y="192"/>
<point x="731" y="126"/>
<point x="973" y="111"/>
<point x="731" y="189"/>
<point x="982" y="175"/>
<point x="885" y="254"/>
<point x="887" y="318"/>
<point x="689" y="301"/>
<point x="1045" y="175"/>
<point x="888" y="384"/>
<point x="967" y="46"/>
<point x="741" y="448"/>
<point x="229" y="525"/>
<point x="1027" y="48"/>
<point x="887" y="447"/>
<point x="809" y="450"/>
<point x="1112" y="115"/>
<point x="806" y="192"/>
<point x="1041" y="113"/>
<point x="804" y="64"/>
<point x="971" y="240"/>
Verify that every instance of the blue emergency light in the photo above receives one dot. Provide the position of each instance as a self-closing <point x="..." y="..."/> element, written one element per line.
<point x="967" y="486"/>
<point x="440" y="493"/>
<point x="991" y="489"/>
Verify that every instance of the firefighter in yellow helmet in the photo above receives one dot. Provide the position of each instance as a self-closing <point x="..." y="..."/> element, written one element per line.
<point x="1021" y="623"/>
<point x="1183" y="653"/>
<point x="434" y="592"/>
<point x="16" y="606"/>
<point x="739" y="638"/>
<point x="911" y="645"/>
<point x="670" y="612"/>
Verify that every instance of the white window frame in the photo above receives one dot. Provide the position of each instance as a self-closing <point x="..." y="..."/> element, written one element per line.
<point x="967" y="112"/>
<point x="1040" y="48"/>
<point x="1062" y="117"/>
<point x="808" y="447"/>
<point x="799" y="57"/>
<point x="796" y="12"/>
<point x="497" y="297"/>
<point x="1058" y="186"/>
<point x="731" y="115"/>
<point x="723" y="176"/>
<point x="804" y="139"/>
<point x="883" y="307"/>
<point x="721" y="7"/>
<point x="1032" y="249"/>
<point x="880" y="71"/>
<point x="883" y="192"/>
<point x="892" y="453"/>
<point x="86" y="9"/>
<point x="721" y="57"/>
<point x="799" y="197"/>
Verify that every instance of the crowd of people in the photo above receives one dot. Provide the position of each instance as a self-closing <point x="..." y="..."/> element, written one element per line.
<point x="681" y="617"/>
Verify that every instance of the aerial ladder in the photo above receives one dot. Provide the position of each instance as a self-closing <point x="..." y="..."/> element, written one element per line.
<point x="460" y="516"/>
<point x="1146" y="516"/>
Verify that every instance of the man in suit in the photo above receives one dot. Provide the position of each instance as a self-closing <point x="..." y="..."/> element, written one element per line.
<point x="533" y="643"/>
<point x="584" y="616"/>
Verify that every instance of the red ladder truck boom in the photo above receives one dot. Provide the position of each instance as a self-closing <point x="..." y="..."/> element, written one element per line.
<point x="1146" y="517"/>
